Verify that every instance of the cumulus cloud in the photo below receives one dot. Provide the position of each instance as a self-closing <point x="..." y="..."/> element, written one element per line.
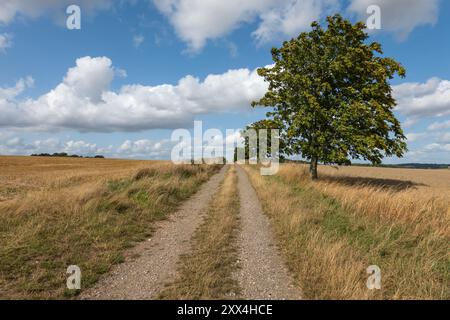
<point x="432" y="146"/>
<point x="431" y="98"/>
<point x="80" y="147"/>
<point x="414" y="137"/>
<point x="441" y="137"/>
<point x="439" y="125"/>
<point x="196" y="21"/>
<point x="10" y="144"/>
<point x="437" y="147"/>
<point x="140" y="148"/>
<point x="410" y="121"/>
<point x="90" y="78"/>
<point x="445" y="138"/>
<point x="400" y="16"/>
<point x="289" y="20"/>
<point x="144" y="148"/>
<point x="83" y="100"/>
<point x="51" y="145"/>
<point x="11" y="9"/>
<point x="10" y="93"/>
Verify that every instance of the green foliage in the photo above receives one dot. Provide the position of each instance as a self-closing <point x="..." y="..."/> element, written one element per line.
<point x="331" y="94"/>
<point x="253" y="151"/>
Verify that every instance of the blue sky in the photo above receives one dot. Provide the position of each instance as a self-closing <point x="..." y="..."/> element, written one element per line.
<point x="139" y="69"/>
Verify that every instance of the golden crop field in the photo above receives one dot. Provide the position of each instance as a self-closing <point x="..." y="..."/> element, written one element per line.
<point x="19" y="175"/>
<point x="332" y="229"/>
<point x="55" y="212"/>
<point x="424" y="179"/>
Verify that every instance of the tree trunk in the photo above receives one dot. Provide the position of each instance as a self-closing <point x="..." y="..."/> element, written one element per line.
<point x="313" y="168"/>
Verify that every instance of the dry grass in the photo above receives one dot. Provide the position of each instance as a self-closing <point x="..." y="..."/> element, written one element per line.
<point x="333" y="229"/>
<point x="80" y="211"/>
<point x="19" y="175"/>
<point x="207" y="271"/>
<point x="435" y="180"/>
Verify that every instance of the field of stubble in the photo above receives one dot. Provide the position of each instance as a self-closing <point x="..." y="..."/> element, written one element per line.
<point x="331" y="230"/>
<point x="56" y="212"/>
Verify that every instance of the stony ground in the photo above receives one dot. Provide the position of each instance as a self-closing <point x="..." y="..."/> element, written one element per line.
<point x="261" y="273"/>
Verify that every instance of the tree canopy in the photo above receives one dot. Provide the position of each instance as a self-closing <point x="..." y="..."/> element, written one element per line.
<point x="253" y="151"/>
<point x="331" y="95"/>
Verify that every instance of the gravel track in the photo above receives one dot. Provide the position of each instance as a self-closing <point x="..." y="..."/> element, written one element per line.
<point x="262" y="274"/>
<point x="145" y="276"/>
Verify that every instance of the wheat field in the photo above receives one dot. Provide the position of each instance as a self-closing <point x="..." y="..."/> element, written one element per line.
<point x="56" y="212"/>
<point x="331" y="230"/>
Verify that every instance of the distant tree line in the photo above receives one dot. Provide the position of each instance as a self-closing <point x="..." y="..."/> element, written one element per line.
<point x="64" y="155"/>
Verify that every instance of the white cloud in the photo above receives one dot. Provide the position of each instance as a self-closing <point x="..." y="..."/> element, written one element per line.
<point x="10" y="93"/>
<point x="79" y="147"/>
<point x="90" y="77"/>
<point x="121" y="73"/>
<point x="83" y="101"/>
<point x="400" y="16"/>
<point x="295" y="16"/>
<point x="141" y="148"/>
<point x="439" y="125"/>
<point x="138" y="40"/>
<point x="437" y="147"/>
<point x="5" y="41"/>
<point x="196" y="21"/>
<point x="145" y="148"/>
<point x="47" y="145"/>
<point x="438" y="137"/>
<point x="409" y="122"/>
<point x="11" y="9"/>
<point x="52" y="145"/>
<point x="13" y="142"/>
<point x="10" y="144"/>
<point x="431" y="98"/>
<point x="414" y="137"/>
<point x="445" y="138"/>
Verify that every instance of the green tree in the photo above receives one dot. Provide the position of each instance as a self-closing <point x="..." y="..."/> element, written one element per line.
<point x="268" y="125"/>
<point x="236" y="152"/>
<point x="330" y="91"/>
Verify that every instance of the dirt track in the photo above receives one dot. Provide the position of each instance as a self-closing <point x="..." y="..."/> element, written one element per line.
<point x="144" y="277"/>
<point x="262" y="273"/>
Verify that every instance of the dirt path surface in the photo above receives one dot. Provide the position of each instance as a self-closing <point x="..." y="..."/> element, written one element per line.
<point x="262" y="273"/>
<point x="144" y="277"/>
